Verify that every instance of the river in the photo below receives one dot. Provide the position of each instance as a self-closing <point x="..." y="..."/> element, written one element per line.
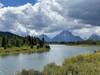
<point x="9" y="65"/>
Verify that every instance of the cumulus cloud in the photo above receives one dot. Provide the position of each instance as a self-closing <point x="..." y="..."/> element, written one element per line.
<point x="51" y="16"/>
<point x="86" y="32"/>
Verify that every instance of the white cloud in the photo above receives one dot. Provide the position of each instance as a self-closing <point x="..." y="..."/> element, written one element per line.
<point x="46" y="16"/>
<point x="85" y="33"/>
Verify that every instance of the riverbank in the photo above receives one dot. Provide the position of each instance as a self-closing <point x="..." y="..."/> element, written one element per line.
<point x="87" y="42"/>
<point x="86" y="64"/>
<point x="17" y="50"/>
<point x="82" y="45"/>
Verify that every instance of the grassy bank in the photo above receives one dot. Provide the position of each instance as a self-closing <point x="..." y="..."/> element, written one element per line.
<point x="17" y="50"/>
<point x="88" y="64"/>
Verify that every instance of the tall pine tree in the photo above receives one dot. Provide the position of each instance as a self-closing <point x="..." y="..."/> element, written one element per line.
<point x="4" y="42"/>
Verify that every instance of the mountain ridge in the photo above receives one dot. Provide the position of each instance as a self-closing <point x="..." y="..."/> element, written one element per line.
<point x="94" y="37"/>
<point x="66" y="36"/>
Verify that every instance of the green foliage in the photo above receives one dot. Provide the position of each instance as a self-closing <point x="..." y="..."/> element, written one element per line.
<point x="4" y="42"/>
<point x="30" y="72"/>
<point x="11" y="43"/>
<point x="88" y="64"/>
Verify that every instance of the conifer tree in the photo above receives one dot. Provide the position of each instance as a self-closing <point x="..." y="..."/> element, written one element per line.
<point x="4" y="42"/>
<point x="17" y="43"/>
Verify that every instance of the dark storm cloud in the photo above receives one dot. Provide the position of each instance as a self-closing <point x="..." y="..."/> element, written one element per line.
<point x="87" y="11"/>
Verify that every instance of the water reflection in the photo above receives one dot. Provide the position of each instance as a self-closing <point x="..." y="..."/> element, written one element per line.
<point x="57" y="54"/>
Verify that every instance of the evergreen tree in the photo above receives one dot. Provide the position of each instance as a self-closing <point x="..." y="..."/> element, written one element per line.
<point x="18" y="43"/>
<point x="4" y="42"/>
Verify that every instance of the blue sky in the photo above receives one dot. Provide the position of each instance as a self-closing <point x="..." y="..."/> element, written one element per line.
<point x="16" y="2"/>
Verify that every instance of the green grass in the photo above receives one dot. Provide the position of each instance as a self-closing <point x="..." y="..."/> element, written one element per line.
<point x="86" y="64"/>
<point x="17" y="50"/>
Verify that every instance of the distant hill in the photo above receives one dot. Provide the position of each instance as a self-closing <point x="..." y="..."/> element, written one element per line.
<point x="66" y="36"/>
<point x="11" y="38"/>
<point x="47" y="39"/>
<point x="94" y="37"/>
<point x="8" y="34"/>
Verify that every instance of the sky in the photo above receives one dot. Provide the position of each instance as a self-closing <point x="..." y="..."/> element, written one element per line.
<point x="50" y="17"/>
<point x="17" y="2"/>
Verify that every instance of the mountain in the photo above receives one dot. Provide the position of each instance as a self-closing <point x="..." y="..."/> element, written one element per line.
<point x="47" y="39"/>
<point x="94" y="37"/>
<point x="66" y="36"/>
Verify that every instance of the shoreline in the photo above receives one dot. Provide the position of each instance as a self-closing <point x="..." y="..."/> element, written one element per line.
<point x="11" y="51"/>
<point x="84" y="64"/>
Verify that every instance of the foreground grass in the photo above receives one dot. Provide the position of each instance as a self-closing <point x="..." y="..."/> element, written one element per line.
<point x="88" y="64"/>
<point x="16" y="50"/>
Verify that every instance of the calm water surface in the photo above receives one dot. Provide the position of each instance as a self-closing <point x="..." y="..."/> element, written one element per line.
<point x="12" y="63"/>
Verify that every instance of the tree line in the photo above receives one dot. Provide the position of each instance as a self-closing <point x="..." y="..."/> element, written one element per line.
<point x="16" y="41"/>
<point x="85" y="42"/>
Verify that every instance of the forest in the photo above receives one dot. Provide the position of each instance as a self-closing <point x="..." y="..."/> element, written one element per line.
<point x="11" y="43"/>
